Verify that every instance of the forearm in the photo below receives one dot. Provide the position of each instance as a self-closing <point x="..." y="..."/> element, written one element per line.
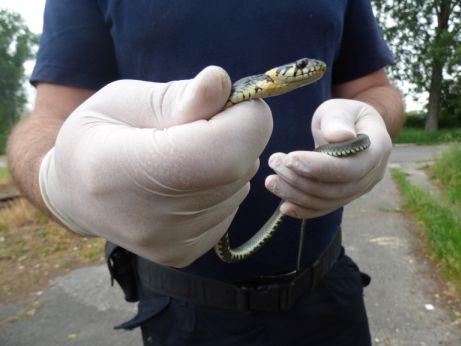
<point x="376" y="90"/>
<point x="33" y="137"/>
<point x="29" y="142"/>
<point x="387" y="100"/>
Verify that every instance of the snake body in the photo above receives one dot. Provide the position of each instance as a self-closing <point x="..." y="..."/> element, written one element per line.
<point x="277" y="81"/>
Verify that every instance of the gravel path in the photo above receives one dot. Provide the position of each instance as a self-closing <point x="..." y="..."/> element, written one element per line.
<point x="81" y="308"/>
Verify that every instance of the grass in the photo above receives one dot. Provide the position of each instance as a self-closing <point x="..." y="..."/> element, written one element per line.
<point x="421" y="137"/>
<point x="34" y="249"/>
<point x="440" y="224"/>
<point x="5" y="178"/>
<point x="447" y="171"/>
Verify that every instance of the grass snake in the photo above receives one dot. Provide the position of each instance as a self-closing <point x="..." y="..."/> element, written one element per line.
<point x="277" y="81"/>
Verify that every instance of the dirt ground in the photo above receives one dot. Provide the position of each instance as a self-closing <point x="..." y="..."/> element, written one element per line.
<point x="34" y="250"/>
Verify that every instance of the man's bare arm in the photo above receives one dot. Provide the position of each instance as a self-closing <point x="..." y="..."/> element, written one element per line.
<point x="34" y="136"/>
<point x="376" y="90"/>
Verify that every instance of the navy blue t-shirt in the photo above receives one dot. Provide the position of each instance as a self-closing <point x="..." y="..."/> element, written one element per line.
<point x="89" y="43"/>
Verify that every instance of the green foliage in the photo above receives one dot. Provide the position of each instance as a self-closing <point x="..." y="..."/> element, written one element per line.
<point x="16" y="47"/>
<point x="439" y="223"/>
<point x="415" y="119"/>
<point x="451" y="100"/>
<point x="422" y="34"/>
<point x="4" y="173"/>
<point x="3" y="137"/>
<point x="5" y="179"/>
<point x="420" y="137"/>
<point x="447" y="171"/>
<point x="409" y="26"/>
<point x="448" y="119"/>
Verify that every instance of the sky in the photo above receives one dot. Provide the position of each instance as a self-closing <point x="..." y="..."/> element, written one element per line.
<point x="32" y="12"/>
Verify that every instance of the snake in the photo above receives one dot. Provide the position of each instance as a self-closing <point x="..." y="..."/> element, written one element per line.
<point x="277" y="81"/>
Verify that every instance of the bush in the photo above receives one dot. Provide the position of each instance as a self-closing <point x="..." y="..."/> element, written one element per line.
<point x="3" y="139"/>
<point x="415" y="119"/>
<point x="447" y="119"/>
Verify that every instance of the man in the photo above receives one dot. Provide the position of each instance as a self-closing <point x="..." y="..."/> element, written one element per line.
<point x="160" y="170"/>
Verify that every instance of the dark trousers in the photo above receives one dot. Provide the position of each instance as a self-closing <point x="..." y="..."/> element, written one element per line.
<point x="332" y="314"/>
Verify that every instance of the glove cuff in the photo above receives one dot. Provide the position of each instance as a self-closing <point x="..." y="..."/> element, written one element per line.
<point x="45" y="173"/>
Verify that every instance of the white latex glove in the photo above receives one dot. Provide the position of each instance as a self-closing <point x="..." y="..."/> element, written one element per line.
<point x="156" y="168"/>
<point x="313" y="184"/>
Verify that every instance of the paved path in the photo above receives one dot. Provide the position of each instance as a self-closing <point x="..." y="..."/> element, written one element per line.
<point x="81" y="308"/>
<point x="381" y="240"/>
<point x="78" y="309"/>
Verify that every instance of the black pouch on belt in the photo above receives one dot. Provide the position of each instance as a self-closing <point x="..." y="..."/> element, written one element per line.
<point x="122" y="268"/>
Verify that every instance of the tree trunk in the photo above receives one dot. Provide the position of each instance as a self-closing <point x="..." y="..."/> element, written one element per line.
<point x="435" y="92"/>
<point x="433" y="108"/>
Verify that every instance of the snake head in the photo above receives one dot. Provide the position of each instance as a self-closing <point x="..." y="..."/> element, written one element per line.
<point x="277" y="81"/>
<point x="298" y="73"/>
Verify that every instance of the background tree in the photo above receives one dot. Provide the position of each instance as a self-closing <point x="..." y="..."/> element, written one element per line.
<point x="425" y="36"/>
<point x="16" y="46"/>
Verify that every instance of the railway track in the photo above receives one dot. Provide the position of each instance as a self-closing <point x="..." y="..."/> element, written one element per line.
<point x="7" y="194"/>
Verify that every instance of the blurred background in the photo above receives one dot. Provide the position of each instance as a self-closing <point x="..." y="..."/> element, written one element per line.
<point x="423" y="189"/>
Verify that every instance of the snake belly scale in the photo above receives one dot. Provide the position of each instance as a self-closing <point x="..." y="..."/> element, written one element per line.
<point x="277" y="81"/>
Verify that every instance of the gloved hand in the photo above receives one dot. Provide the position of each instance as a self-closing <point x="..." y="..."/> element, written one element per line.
<point x="156" y="168"/>
<point x="313" y="184"/>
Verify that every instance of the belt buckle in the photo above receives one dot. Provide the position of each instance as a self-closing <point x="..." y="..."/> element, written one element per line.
<point x="267" y="298"/>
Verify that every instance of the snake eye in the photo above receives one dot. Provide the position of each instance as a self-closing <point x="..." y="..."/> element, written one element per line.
<point x="302" y="63"/>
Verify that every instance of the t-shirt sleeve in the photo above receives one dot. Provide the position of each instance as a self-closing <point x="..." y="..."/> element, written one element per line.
<point x="76" y="48"/>
<point x="363" y="49"/>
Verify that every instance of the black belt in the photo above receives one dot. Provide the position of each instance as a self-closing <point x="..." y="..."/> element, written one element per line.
<point x="212" y="293"/>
